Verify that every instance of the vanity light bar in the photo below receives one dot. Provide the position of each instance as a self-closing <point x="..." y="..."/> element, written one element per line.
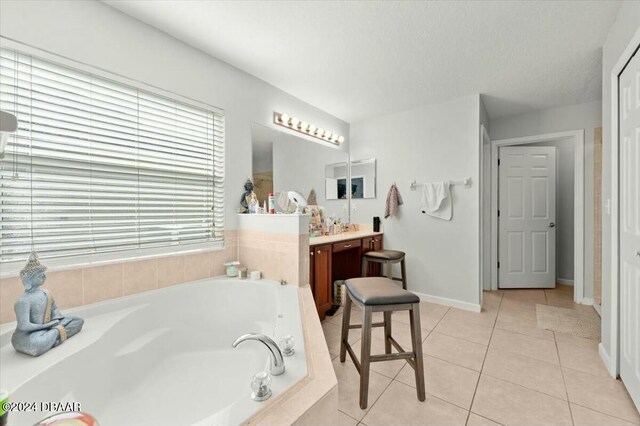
<point x="292" y="123"/>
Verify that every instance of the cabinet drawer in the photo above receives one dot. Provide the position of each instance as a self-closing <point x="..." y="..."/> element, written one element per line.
<point x="345" y="245"/>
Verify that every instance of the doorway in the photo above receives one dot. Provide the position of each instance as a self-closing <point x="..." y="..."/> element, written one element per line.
<point x="576" y="138"/>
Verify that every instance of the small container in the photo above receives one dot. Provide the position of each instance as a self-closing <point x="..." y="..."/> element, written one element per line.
<point x="256" y="275"/>
<point x="242" y="273"/>
<point x="272" y="203"/>
<point x="232" y="268"/>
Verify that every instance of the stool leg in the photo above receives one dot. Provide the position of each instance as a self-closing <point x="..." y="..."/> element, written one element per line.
<point x="365" y="353"/>
<point x="346" y="319"/>
<point x="416" y="340"/>
<point x="389" y="269"/>
<point x="364" y="267"/>
<point x="404" y="274"/>
<point x="387" y="332"/>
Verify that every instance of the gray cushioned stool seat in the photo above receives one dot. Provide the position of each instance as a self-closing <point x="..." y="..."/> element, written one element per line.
<point x="379" y="291"/>
<point x="385" y="254"/>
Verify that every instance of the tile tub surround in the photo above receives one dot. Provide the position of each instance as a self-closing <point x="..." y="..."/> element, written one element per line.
<point x="276" y="245"/>
<point x="81" y="286"/>
<point x="314" y="399"/>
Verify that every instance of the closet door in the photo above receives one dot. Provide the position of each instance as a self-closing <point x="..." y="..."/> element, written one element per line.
<point x="629" y="139"/>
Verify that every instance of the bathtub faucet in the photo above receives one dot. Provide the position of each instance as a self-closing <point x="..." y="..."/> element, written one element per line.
<point x="277" y="361"/>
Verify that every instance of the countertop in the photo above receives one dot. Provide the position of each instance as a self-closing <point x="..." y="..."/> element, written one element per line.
<point x="328" y="239"/>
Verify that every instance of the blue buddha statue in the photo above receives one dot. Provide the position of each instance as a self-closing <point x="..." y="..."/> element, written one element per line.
<point x="41" y="325"/>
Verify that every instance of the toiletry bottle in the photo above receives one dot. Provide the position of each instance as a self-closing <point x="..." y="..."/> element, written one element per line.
<point x="253" y="204"/>
<point x="272" y="203"/>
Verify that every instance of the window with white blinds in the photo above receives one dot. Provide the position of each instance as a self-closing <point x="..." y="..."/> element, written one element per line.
<point x="98" y="166"/>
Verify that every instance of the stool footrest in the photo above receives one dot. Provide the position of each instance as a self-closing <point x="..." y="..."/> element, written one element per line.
<point x="411" y="360"/>
<point x="375" y="324"/>
<point x="391" y="357"/>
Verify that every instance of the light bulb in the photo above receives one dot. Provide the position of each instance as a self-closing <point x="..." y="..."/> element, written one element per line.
<point x="327" y="135"/>
<point x="319" y="132"/>
<point x="293" y="121"/>
<point x="284" y="118"/>
<point x="334" y="138"/>
<point x="340" y="139"/>
<point x="303" y="126"/>
<point x="311" y="129"/>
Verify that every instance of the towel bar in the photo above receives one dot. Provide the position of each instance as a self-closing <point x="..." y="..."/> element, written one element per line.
<point x="466" y="183"/>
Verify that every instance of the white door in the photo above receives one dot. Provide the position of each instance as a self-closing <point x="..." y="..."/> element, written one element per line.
<point x="629" y="102"/>
<point x="526" y="217"/>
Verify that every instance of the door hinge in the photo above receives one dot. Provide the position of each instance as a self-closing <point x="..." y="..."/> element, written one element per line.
<point x="498" y="213"/>
<point x="498" y="265"/>
<point x="498" y="161"/>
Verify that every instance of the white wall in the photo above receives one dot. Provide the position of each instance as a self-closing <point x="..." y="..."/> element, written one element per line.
<point x="432" y="143"/>
<point x="585" y="116"/>
<point x="617" y="40"/>
<point x="565" y="159"/>
<point x="97" y="35"/>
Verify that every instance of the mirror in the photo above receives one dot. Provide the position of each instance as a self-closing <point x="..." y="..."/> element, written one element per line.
<point x="335" y="181"/>
<point x="363" y="178"/>
<point x="282" y="162"/>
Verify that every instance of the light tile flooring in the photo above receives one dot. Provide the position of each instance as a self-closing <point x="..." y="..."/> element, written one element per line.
<point x="494" y="367"/>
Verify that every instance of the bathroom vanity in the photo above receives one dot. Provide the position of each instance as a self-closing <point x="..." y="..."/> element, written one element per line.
<point x="339" y="257"/>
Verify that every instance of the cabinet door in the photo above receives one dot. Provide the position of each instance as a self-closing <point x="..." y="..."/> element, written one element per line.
<point x="377" y="242"/>
<point x="312" y="270"/>
<point x="322" y="278"/>
<point x="372" y="244"/>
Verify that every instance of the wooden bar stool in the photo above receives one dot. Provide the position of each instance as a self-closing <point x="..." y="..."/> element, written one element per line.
<point x="387" y="258"/>
<point x="377" y="294"/>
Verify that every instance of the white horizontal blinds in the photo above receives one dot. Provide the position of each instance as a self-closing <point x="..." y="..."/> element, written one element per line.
<point x="98" y="166"/>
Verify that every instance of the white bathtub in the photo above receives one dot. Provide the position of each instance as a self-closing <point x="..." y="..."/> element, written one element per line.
<point x="163" y="357"/>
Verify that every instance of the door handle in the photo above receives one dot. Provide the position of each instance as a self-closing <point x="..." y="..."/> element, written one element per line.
<point x="552" y="225"/>
<point x="637" y="253"/>
<point x="347" y="245"/>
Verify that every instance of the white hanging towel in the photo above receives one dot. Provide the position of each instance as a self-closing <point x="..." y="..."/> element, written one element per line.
<point x="436" y="200"/>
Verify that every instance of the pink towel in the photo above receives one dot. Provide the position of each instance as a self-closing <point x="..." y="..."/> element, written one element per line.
<point x="394" y="201"/>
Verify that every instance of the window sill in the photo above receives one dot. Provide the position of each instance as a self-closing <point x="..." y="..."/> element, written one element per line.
<point x="12" y="269"/>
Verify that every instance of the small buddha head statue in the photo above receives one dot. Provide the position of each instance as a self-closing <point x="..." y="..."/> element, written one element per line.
<point x="248" y="185"/>
<point x="33" y="273"/>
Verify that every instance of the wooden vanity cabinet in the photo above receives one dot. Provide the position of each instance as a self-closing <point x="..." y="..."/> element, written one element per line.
<point x="320" y="277"/>
<point x="339" y="260"/>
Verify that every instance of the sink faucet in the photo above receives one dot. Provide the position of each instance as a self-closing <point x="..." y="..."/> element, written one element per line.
<point x="277" y="361"/>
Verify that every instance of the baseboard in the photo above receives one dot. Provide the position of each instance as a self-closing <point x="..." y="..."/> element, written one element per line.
<point x="606" y="360"/>
<point x="474" y="307"/>
<point x="598" y="309"/>
<point x="563" y="281"/>
<point x="587" y="301"/>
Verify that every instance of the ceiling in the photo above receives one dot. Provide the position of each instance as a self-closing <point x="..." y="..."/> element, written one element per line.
<point x="362" y="59"/>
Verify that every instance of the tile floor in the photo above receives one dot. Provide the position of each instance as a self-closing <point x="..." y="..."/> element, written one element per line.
<point x="489" y="368"/>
